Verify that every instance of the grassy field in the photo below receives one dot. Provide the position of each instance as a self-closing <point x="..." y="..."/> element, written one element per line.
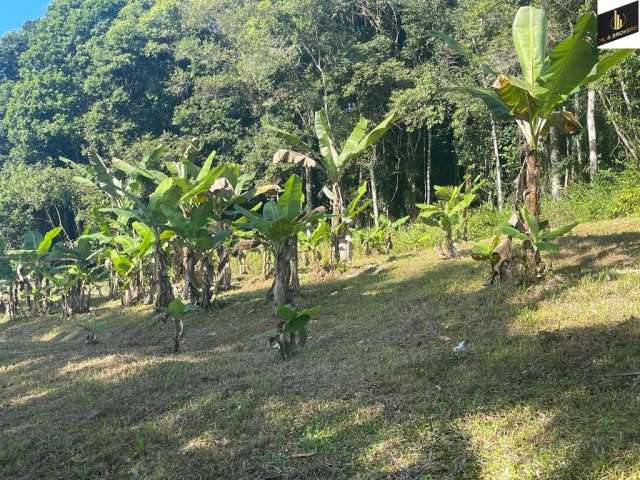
<point x="548" y="387"/>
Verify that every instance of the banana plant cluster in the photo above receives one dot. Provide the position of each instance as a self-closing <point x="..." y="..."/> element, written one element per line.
<point x="311" y="240"/>
<point x="335" y="164"/>
<point x="380" y="237"/>
<point x="166" y="225"/>
<point x="277" y="223"/>
<point x="41" y="276"/>
<point x="447" y="214"/>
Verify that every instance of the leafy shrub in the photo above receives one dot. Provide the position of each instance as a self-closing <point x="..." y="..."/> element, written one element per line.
<point x="611" y="195"/>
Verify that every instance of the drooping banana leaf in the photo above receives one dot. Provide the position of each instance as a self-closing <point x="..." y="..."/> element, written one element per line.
<point x="490" y="98"/>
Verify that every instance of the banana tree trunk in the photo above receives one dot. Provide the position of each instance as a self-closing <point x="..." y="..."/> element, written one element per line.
<point x="207" y="282"/>
<point x="189" y="292"/>
<point x="293" y="265"/>
<point x="266" y="262"/>
<point x="224" y="269"/>
<point x="161" y="284"/>
<point x="282" y="278"/>
<point x="532" y="191"/>
<point x="179" y="334"/>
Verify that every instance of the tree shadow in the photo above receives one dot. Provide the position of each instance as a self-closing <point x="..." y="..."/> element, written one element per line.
<point x="377" y="393"/>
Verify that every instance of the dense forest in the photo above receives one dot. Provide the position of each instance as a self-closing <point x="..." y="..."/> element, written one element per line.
<point x="118" y="77"/>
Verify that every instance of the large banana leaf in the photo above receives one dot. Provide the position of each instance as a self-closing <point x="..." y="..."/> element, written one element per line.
<point x="353" y="209"/>
<point x="606" y="63"/>
<point x="378" y="132"/>
<point x="45" y="245"/>
<point x="530" y="39"/>
<point x="490" y="98"/>
<point x="290" y="202"/>
<point x="352" y="145"/>
<point x="570" y="62"/>
<point x="129" y="169"/>
<point x="330" y="157"/>
<point x="206" y="168"/>
<point x="294" y="140"/>
<point x="359" y="140"/>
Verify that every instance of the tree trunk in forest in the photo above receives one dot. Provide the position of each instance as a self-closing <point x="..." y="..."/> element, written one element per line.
<point x="556" y="180"/>
<point x="496" y="152"/>
<point x="427" y="180"/>
<point x="629" y="144"/>
<point x="374" y="187"/>
<point x="591" y="130"/>
<point x="13" y="301"/>
<point x="577" y="172"/>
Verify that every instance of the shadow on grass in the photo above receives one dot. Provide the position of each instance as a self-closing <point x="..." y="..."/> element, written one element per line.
<point x="378" y="392"/>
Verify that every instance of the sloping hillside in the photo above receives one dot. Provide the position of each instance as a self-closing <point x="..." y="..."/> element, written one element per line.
<point x="546" y="387"/>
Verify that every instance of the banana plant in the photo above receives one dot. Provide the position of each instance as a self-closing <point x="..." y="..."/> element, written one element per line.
<point x="293" y="322"/>
<point x="276" y="224"/>
<point x="336" y="163"/>
<point x="495" y="252"/>
<point x="76" y="275"/>
<point x="198" y="204"/>
<point x="130" y="189"/>
<point x="311" y="240"/>
<point x="380" y="237"/>
<point x="128" y="257"/>
<point x="446" y="214"/>
<point x="539" y="238"/>
<point x="33" y="263"/>
<point x="548" y="79"/>
<point x="7" y="283"/>
<point x="344" y="229"/>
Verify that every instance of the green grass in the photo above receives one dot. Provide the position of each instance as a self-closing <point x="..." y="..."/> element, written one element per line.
<point x="377" y="393"/>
